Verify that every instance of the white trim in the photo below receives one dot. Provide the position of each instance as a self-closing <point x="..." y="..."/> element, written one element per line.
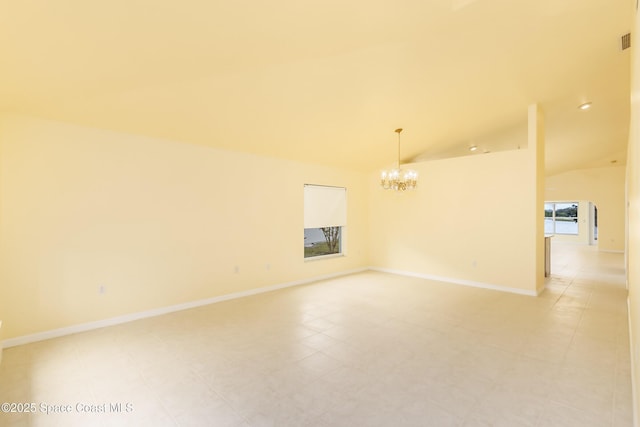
<point x="319" y="257"/>
<point x="83" y="327"/>
<point x="610" y="251"/>
<point x="456" y="281"/>
<point x="634" y="387"/>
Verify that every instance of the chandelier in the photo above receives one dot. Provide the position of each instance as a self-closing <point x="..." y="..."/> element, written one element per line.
<point x="398" y="179"/>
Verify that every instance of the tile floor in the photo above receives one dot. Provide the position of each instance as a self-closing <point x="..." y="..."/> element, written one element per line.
<point x="370" y="349"/>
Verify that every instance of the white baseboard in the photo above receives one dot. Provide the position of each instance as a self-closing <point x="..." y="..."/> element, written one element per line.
<point x="83" y="327"/>
<point x="610" y="251"/>
<point x="456" y="281"/>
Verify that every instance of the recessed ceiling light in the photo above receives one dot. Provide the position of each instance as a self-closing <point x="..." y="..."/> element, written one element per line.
<point x="585" y="106"/>
<point x="614" y="161"/>
<point x="473" y="148"/>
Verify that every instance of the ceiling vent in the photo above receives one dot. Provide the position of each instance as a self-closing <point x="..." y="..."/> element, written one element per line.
<point x="626" y="41"/>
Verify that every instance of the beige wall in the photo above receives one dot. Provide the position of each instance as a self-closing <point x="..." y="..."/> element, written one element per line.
<point x="470" y="218"/>
<point x="3" y="293"/>
<point x="157" y="223"/>
<point x="605" y="188"/>
<point x="633" y="232"/>
<point x="475" y="220"/>
<point x="3" y="297"/>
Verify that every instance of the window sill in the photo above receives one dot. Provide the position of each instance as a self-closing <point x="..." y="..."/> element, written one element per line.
<point x="317" y="258"/>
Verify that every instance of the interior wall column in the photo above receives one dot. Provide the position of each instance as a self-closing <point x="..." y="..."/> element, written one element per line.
<point x="536" y="157"/>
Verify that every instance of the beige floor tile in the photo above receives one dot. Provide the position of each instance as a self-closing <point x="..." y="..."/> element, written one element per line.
<point x="423" y="413"/>
<point x="17" y="420"/>
<point x="369" y="349"/>
<point x="504" y="407"/>
<point x="210" y="411"/>
<point x="558" y="415"/>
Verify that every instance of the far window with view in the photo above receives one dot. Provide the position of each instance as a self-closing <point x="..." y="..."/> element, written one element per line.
<point x="561" y="218"/>
<point x="325" y="215"/>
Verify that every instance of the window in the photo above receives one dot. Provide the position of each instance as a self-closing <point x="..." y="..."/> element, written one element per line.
<point x="322" y="241"/>
<point x="325" y="217"/>
<point x="561" y="218"/>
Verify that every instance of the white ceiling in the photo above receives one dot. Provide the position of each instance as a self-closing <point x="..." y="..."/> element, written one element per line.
<point x="327" y="81"/>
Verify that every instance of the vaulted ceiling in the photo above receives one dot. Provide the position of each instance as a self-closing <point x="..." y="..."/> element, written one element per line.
<point x="328" y="81"/>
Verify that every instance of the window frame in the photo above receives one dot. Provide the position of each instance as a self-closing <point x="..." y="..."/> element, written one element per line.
<point x="340" y="251"/>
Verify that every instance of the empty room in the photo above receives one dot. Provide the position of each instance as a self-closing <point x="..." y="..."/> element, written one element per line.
<point x="319" y="214"/>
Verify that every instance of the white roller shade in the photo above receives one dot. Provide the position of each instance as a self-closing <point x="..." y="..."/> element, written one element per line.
<point x="324" y="206"/>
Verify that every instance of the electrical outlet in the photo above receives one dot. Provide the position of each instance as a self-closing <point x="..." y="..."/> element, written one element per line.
<point x="236" y="269"/>
<point x="267" y="267"/>
<point x="102" y="289"/>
